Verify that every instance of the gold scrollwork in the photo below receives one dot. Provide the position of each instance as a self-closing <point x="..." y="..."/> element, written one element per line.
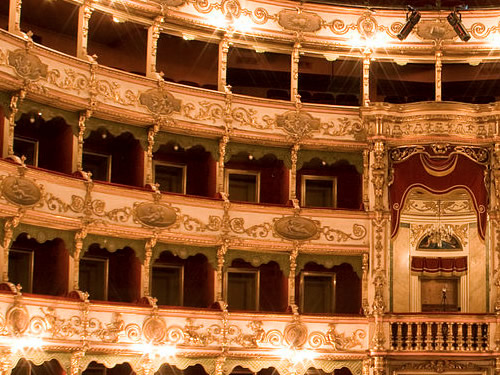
<point x="209" y="111"/>
<point x="338" y="341"/>
<point x="237" y="225"/>
<point x="343" y="127"/>
<point x="332" y="234"/>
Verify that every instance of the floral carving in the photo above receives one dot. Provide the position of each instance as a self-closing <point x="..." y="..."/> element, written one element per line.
<point x="344" y="126"/>
<point x="61" y="328"/>
<point x="207" y="111"/>
<point x="299" y="21"/>
<point x="193" y="224"/>
<point x="247" y="117"/>
<point x="298" y="124"/>
<point x="160" y="102"/>
<point x="332" y="234"/>
<point x="237" y="225"/>
<point x="296" y="228"/>
<point x="27" y="65"/>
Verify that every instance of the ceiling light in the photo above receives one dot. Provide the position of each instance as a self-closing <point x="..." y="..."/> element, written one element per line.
<point x="455" y="20"/>
<point x="187" y="37"/>
<point x="412" y="18"/>
<point x="117" y="20"/>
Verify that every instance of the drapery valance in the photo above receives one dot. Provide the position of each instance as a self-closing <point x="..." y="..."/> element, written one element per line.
<point x="428" y="266"/>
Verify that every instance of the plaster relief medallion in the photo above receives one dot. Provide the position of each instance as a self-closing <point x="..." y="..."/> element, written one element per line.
<point x="17" y="319"/>
<point x="295" y="335"/>
<point x="160" y="102"/>
<point x="435" y="30"/>
<point x="154" y="214"/>
<point x="299" y="125"/>
<point x="367" y="25"/>
<point x="27" y="65"/>
<point x="20" y="191"/>
<point x="299" y="21"/>
<point x="171" y="3"/>
<point x="296" y="228"/>
<point x="154" y="330"/>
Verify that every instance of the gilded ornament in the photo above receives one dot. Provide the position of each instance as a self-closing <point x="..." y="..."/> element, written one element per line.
<point x="332" y="234"/>
<point x="20" y="191"/>
<point x="17" y="318"/>
<point x="440" y="366"/>
<point x="160" y="102"/>
<point x="296" y="228"/>
<point x="367" y="25"/>
<point x="295" y="334"/>
<point x="27" y="65"/>
<point x="154" y="330"/>
<point x="298" y="124"/>
<point x="154" y="214"/>
<point x="171" y="3"/>
<point x="339" y="341"/>
<point x="299" y="21"/>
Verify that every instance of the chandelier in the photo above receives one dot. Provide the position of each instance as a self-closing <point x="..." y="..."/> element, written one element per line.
<point x="437" y="234"/>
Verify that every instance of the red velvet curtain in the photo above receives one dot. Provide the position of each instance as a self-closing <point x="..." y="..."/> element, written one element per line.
<point x="439" y="176"/>
<point x="439" y="266"/>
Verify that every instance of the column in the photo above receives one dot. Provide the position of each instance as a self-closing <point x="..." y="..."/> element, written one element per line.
<point x="293" y="172"/>
<point x="223" y="52"/>
<point x="294" y="79"/>
<point x="366" y="77"/>
<point x="15" y="16"/>
<point x="84" y="12"/>
<point x="438" y="79"/>
<point x="152" y="47"/>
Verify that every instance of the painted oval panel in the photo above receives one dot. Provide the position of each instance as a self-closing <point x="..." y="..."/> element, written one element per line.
<point x="296" y="228"/>
<point x="155" y="215"/>
<point x="21" y="191"/>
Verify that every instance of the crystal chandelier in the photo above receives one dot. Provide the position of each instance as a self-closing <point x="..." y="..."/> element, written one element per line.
<point x="439" y="233"/>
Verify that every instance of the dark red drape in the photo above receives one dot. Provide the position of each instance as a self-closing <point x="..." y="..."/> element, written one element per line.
<point x="439" y="176"/>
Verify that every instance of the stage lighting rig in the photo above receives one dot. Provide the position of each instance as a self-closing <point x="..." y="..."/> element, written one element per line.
<point x="455" y="20"/>
<point x="412" y="18"/>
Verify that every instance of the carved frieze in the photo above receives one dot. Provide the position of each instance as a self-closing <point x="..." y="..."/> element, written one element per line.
<point x="27" y="65"/>
<point x="298" y="124"/>
<point x="296" y="228"/>
<point x="160" y="102"/>
<point x="299" y="21"/>
<point x="440" y="366"/>
<point x="154" y="214"/>
<point x="21" y="191"/>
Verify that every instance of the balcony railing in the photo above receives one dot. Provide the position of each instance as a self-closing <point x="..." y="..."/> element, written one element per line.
<point x="439" y="333"/>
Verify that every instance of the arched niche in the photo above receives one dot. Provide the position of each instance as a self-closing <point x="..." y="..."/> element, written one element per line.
<point x="266" y="168"/>
<point x="114" y="153"/>
<point x="110" y="276"/>
<point x="185" y="165"/>
<point x="37" y="135"/>
<point x="331" y="180"/>
<point x="335" y="289"/>
<point x="182" y="282"/>
<point x="246" y="285"/>
<point x="437" y="246"/>
<point x="41" y="267"/>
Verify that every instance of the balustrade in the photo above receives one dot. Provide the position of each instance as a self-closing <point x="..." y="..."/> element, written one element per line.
<point x="440" y="335"/>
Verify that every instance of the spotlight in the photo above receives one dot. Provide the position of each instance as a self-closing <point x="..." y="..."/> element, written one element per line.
<point x="455" y="20"/>
<point x="412" y="18"/>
